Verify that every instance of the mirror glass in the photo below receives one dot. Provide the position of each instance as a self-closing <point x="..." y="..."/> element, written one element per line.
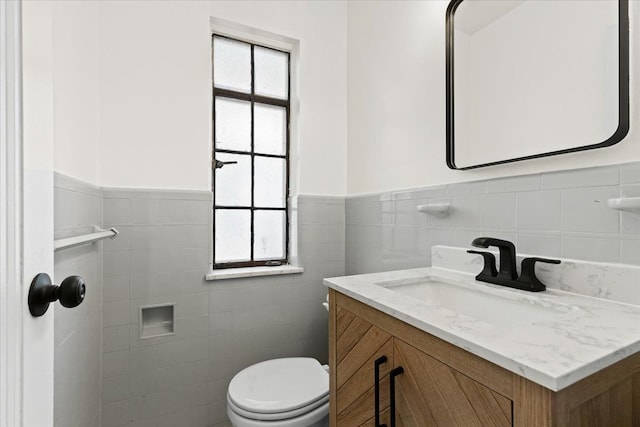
<point x="532" y="78"/>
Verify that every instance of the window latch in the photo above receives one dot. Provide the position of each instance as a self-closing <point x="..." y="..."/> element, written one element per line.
<point x="218" y="164"/>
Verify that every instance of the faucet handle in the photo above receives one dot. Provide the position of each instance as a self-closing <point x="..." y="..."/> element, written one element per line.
<point x="489" y="268"/>
<point x="485" y="242"/>
<point x="528" y="272"/>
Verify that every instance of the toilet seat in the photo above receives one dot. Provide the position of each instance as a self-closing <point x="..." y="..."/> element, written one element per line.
<point x="319" y="417"/>
<point x="279" y="416"/>
<point x="279" y="389"/>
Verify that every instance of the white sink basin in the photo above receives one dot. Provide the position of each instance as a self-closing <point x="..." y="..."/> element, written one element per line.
<point x="496" y="306"/>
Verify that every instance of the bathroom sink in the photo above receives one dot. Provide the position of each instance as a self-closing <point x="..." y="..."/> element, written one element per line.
<point x="496" y="306"/>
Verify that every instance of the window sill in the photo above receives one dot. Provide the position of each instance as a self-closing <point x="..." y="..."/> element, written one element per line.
<point x="236" y="273"/>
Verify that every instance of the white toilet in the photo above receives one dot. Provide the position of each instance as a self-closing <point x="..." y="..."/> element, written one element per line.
<point x="290" y="392"/>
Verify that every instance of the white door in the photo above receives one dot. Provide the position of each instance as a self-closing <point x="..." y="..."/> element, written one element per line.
<point x="26" y="221"/>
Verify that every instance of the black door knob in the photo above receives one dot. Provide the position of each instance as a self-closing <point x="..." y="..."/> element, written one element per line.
<point x="42" y="292"/>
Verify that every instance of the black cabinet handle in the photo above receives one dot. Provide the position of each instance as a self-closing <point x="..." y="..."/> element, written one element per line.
<point x="392" y="393"/>
<point x="376" y="389"/>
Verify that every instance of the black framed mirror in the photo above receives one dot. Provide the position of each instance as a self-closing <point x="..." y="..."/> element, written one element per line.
<point x="534" y="78"/>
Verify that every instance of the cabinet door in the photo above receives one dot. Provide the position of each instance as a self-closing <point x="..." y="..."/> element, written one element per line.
<point x="430" y="393"/>
<point x="359" y="345"/>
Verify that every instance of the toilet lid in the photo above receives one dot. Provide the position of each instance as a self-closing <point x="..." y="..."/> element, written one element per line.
<point x="279" y="385"/>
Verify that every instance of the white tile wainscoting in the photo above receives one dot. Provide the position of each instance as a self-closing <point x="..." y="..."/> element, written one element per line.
<point x="221" y="326"/>
<point x="77" y="331"/>
<point x="559" y="214"/>
<point x="161" y="256"/>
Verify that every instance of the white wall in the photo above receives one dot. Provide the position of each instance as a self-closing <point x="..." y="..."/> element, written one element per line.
<point x="396" y="102"/>
<point x="155" y="96"/>
<point x="152" y="96"/>
<point x="75" y="89"/>
<point x="132" y="89"/>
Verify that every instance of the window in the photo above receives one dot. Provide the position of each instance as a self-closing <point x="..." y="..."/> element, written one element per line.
<point x="250" y="154"/>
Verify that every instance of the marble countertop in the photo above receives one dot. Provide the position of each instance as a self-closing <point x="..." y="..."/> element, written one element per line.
<point x="582" y="336"/>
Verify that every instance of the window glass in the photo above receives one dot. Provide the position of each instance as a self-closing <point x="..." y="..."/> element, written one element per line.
<point x="269" y="190"/>
<point x="270" y="130"/>
<point x="272" y="73"/>
<point x="269" y="235"/>
<point x="233" y="124"/>
<point x="233" y="235"/>
<point x="250" y="154"/>
<point x="233" y="181"/>
<point x="231" y="64"/>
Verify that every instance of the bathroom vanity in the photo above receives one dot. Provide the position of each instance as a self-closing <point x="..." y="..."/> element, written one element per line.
<point x="435" y="347"/>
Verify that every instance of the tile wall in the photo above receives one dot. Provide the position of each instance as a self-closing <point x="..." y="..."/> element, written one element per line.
<point x="222" y="326"/>
<point x="77" y="331"/>
<point x="162" y="254"/>
<point x="561" y="214"/>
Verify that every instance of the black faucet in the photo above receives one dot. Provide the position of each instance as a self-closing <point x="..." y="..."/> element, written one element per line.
<point x="508" y="276"/>
<point x="507" y="255"/>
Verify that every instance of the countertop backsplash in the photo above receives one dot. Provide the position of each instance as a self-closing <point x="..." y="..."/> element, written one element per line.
<point x="616" y="282"/>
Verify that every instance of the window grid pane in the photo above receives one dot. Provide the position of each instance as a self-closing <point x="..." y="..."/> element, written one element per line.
<point x="231" y="64"/>
<point x="269" y="189"/>
<point x="269" y="234"/>
<point x="270" y="129"/>
<point x="234" y="180"/>
<point x="232" y="235"/>
<point x="272" y="73"/>
<point x="233" y="120"/>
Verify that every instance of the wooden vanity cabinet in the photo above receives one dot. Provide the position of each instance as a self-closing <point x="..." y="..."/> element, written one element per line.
<point x="443" y="385"/>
